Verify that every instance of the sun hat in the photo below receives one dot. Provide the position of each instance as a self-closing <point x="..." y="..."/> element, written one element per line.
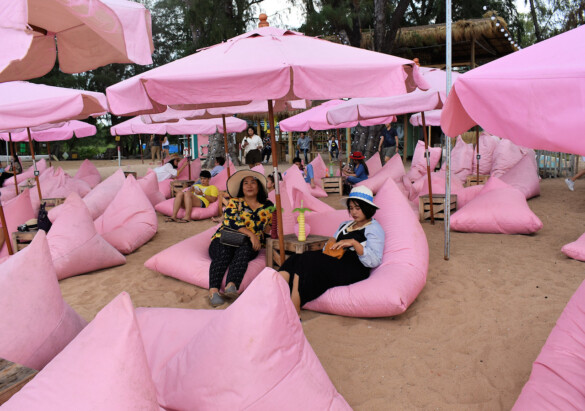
<point x="233" y="183"/>
<point x="357" y="155"/>
<point x="361" y="193"/>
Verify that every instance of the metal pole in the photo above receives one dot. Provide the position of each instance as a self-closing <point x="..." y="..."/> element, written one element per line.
<point x="32" y="153"/>
<point x="477" y="156"/>
<point x="12" y="163"/>
<point x="140" y="141"/>
<point x="427" y="156"/>
<point x="119" y="154"/>
<point x="49" y="152"/>
<point x="405" y="140"/>
<point x="447" y="251"/>
<point x="276" y="181"/>
<point x="225" y="143"/>
<point x="5" y="229"/>
<point x="338" y="135"/>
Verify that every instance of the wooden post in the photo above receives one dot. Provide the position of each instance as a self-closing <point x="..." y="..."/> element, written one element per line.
<point x="477" y="149"/>
<point x="338" y="135"/>
<point x="12" y="149"/>
<point x="49" y="152"/>
<point x="472" y="52"/>
<point x="276" y="180"/>
<point x="225" y="142"/>
<point x="290" y="147"/>
<point x="405" y="142"/>
<point x="424" y="126"/>
<point x="348" y="137"/>
<point x="7" y="238"/>
<point x="32" y="153"/>
<point x="140" y="142"/>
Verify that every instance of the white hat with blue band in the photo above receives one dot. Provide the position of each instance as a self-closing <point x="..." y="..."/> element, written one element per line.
<point x="362" y="193"/>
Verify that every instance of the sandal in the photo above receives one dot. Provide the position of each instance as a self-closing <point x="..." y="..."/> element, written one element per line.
<point x="216" y="300"/>
<point x="181" y="220"/>
<point x="169" y="220"/>
<point x="231" y="292"/>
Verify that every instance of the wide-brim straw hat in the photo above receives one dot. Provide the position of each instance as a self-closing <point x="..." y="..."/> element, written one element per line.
<point x="361" y="193"/>
<point x="233" y="183"/>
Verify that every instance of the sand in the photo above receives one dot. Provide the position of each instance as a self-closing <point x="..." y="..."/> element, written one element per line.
<point x="466" y="343"/>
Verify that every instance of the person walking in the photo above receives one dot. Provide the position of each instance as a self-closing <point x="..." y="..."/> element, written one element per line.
<point x="155" y="147"/>
<point x="388" y="142"/>
<point x="303" y="146"/>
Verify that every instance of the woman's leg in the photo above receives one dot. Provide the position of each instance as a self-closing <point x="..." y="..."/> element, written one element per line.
<point x="239" y="264"/>
<point x="294" y="293"/>
<point x="190" y="202"/>
<point x="177" y="204"/>
<point x="221" y="256"/>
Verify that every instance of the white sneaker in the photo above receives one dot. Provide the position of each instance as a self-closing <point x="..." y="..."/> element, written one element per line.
<point x="570" y="184"/>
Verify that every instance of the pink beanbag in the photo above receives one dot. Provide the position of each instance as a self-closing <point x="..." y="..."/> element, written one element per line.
<point x="58" y="185"/>
<point x="461" y="159"/>
<point x="260" y="169"/>
<point x="261" y="337"/>
<point x="289" y="219"/>
<point x="395" y="284"/>
<point x="197" y="213"/>
<point x="393" y="169"/>
<point x="165" y="187"/>
<point x="28" y="173"/>
<point x="189" y="261"/>
<point x="327" y="222"/>
<point x="506" y="156"/>
<point x="221" y="178"/>
<point x="319" y="167"/>
<point x="104" y="193"/>
<point x="195" y="170"/>
<point x="88" y="173"/>
<point x="308" y="201"/>
<point x="149" y="185"/>
<point x="130" y="220"/>
<point x="487" y="146"/>
<point x="104" y="367"/>
<point x="374" y="164"/>
<point x="76" y="247"/>
<point x="466" y="194"/>
<point x="556" y="380"/>
<point x="7" y="193"/>
<point x="496" y="210"/>
<point x="36" y="322"/>
<point x="524" y="176"/>
<point x="438" y="184"/>
<point x="418" y="166"/>
<point x="576" y="249"/>
<point x="16" y="211"/>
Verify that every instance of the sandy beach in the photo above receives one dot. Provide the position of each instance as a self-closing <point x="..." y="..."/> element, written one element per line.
<point x="467" y="342"/>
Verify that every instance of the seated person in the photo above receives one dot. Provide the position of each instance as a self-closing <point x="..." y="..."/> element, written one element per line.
<point x="15" y="169"/>
<point x="198" y="195"/>
<point x="270" y="184"/>
<point x="360" y="168"/>
<point x="312" y="273"/>
<point x="308" y="173"/>
<point x="169" y="169"/>
<point x="219" y="162"/>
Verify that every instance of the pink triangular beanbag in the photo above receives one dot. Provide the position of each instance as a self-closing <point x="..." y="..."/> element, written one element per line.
<point x="466" y="194"/>
<point x="261" y="337"/>
<point x="103" y="368"/>
<point x="461" y="160"/>
<point x="319" y="167"/>
<point x="308" y="201"/>
<point x="260" y="169"/>
<point x="165" y="187"/>
<point x="75" y="245"/>
<point x="556" y="380"/>
<point x="418" y="166"/>
<point x="576" y="249"/>
<point x="524" y="176"/>
<point x="374" y="164"/>
<point x="393" y="169"/>
<point x="58" y="185"/>
<point x="438" y="184"/>
<point x="16" y="211"/>
<point x="36" y="322"/>
<point x="28" y="173"/>
<point x="130" y="220"/>
<point x="195" y="170"/>
<point x="197" y="213"/>
<point x="506" y="156"/>
<point x="189" y="261"/>
<point x="149" y="185"/>
<point x="7" y="193"/>
<point x="487" y="146"/>
<point x="88" y="173"/>
<point x="496" y="210"/>
<point x="220" y="180"/>
<point x="288" y="217"/>
<point x="396" y="283"/>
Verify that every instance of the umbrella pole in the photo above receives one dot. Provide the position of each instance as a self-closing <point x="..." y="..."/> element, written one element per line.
<point x="339" y="150"/>
<point x="32" y="153"/>
<point x="405" y="141"/>
<point x="348" y="142"/>
<point x="119" y="154"/>
<point x="49" y="151"/>
<point x="188" y="155"/>
<point x="448" y="58"/>
<point x="276" y="181"/>
<point x="140" y="141"/>
<point x="12" y="163"/>
<point x="428" y="165"/>
<point x="477" y="147"/>
<point x="5" y="229"/>
<point x="225" y="143"/>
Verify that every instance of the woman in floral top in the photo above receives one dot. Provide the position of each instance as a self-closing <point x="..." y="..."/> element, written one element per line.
<point x="247" y="212"/>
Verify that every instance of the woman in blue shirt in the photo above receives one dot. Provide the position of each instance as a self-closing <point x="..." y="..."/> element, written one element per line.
<point x="360" y="168"/>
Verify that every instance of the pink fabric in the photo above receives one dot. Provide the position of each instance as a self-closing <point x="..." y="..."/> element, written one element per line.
<point x="118" y="31"/>
<point x="28" y="173"/>
<point x="102" y="195"/>
<point x="88" y="173"/>
<point x="261" y="336"/>
<point x="396" y="283"/>
<point x="506" y="156"/>
<point x="462" y="157"/>
<point x="524" y="176"/>
<point x="25" y="104"/>
<point x="557" y="373"/>
<point x="57" y="185"/>
<point x="576" y="249"/>
<point x="36" y="322"/>
<point x="16" y="211"/>
<point x="289" y="219"/>
<point x="393" y="169"/>
<point x="498" y="210"/>
<point x="54" y="132"/>
<point x="438" y="184"/>
<point x="311" y="62"/>
<point x="181" y="126"/>
<point x="308" y="201"/>
<point x="130" y="220"/>
<point x="76" y="247"/>
<point x="189" y="261"/>
<point x="466" y="194"/>
<point x="195" y="170"/>
<point x="432" y="118"/>
<point x="260" y="169"/>
<point x="7" y="193"/>
<point x="319" y="167"/>
<point x="165" y="187"/>
<point x="538" y="108"/>
<point x="326" y="222"/>
<point x="220" y="179"/>
<point x="487" y="147"/>
<point x="418" y="167"/>
<point x="197" y="213"/>
<point x="149" y="185"/>
<point x="374" y="164"/>
<point x="105" y="366"/>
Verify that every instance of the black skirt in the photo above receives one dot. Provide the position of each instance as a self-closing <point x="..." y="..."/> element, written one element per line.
<point x="254" y="156"/>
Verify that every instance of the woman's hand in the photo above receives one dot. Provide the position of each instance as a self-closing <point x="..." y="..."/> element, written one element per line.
<point x="255" y="242"/>
<point x="343" y="244"/>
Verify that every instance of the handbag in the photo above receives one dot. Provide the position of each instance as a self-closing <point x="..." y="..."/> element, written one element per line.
<point x="231" y="237"/>
<point x="43" y="222"/>
<point x="336" y="253"/>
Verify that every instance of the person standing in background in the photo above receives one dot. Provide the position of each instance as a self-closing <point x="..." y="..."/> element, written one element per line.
<point x="388" y="142"/>
<point x="165" y="147"/>
<point x="251" y="144"/>
<point x="303" y="146"/>
<point x="333" y="147"/>
<point x="155" y="145"/>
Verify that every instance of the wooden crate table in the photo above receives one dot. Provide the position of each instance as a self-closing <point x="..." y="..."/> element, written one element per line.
<point x="472" y="180"/>
<point x="12" y="378"/>
<point x="53" y="202"/>
<point x="30" y="183"/>
<point x="333" y="184"/>
<point x="133" y="173"/>
<point x="424" y="206"/>
<point x="180" y="185"/>
<point x="21" y="239"/>
<point x="291" y="246"/>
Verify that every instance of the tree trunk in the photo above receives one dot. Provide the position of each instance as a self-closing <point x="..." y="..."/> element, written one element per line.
<point x="397" y="18"/>
<point x="537" y="31"/>
<point x="373" y="140"/>
<point x="355" y="32"/>
<point x="379" y="23"/>
<point x="217" y="148"/>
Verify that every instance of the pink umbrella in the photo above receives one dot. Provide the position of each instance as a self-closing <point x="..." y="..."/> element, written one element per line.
<point x="59" y="132"/>
<point x="291" y="66"/>
<point x="533" y="97"/>
<point x="432" y="118"/>
<point x="90" y="34"/>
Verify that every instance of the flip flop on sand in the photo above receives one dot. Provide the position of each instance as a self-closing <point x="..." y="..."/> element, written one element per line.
<point x="175" y="220"/>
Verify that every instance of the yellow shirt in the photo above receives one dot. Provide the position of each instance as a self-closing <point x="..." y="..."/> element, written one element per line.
<point x="211" y="191"/>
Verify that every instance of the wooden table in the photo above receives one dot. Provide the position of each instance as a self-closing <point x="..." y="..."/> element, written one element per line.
<point x="132" y="173"/>
<point x="424" y="206"/>
<point x="12" y="378"/>
<point x="333" y="184"/>
<point x="180" y="185"/>
<point x="292" y="245"/>
<point x="22" y="239"/>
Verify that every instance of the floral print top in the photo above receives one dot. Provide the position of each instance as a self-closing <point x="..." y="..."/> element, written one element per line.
<point x="238" y="214"/>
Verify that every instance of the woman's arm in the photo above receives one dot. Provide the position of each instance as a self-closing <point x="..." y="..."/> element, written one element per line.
<point x="181" y="169"/>
<point x="373" y="247"/>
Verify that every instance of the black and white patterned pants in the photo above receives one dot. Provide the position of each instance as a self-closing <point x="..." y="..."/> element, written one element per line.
<point x="222" y="257"/>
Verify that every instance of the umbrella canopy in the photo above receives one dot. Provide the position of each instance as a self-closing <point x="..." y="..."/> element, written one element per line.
<point x="58" y="132"/>
<point x="26" y="104"/>
<point x="432" y="118"/>
<point x="533" y="97"/>
<point x="182" y="126"/>
<point x="291" y="66"/>
<point x="90" y="34"/>
<point x="316" y="119"/>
